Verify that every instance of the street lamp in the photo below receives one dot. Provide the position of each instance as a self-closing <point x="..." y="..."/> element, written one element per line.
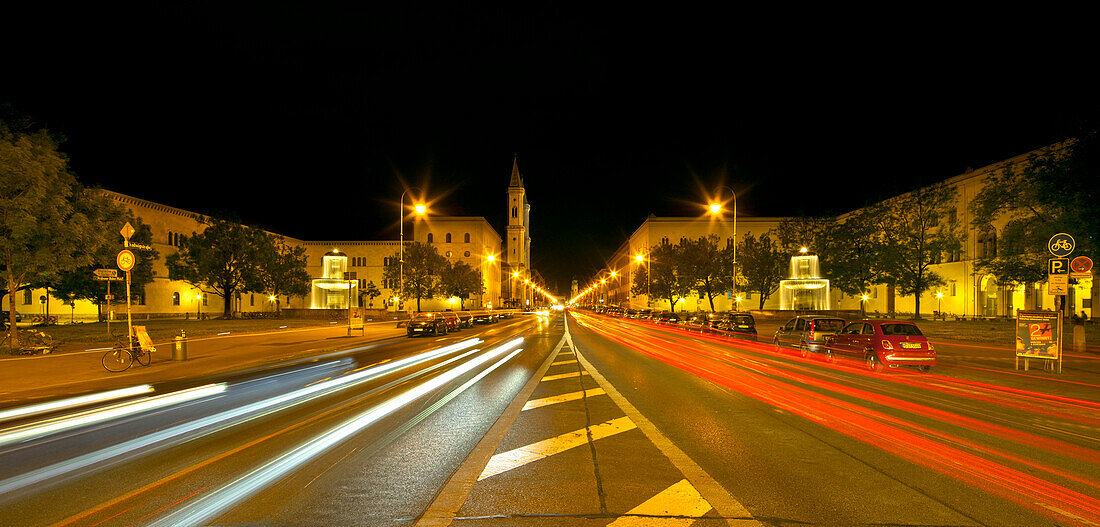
<point x="648" y="279"/>
<point x="939" y="307"/>
<point x="716" y="208"/>
<point x="420" y="209"/>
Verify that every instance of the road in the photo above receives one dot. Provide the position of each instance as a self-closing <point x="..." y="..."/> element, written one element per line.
<point x="549" y="421"/>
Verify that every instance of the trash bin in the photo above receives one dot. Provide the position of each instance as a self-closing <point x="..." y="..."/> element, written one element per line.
<point x="179" y="350"/>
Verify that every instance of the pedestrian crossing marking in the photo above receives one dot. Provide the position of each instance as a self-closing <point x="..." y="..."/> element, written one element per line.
<point x="680" y="503"/>
<point x="564" y="376"/>
<point x="518" y="457"/>
<point x="564" y="362"/>
<point x="547" y="401"/>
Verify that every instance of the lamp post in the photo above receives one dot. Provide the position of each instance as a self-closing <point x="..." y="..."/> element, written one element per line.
<point x="420" y="209"/>
<point x="515" y="275"/>
<point x="716" y="208"/>
<point x="939" y="306"/>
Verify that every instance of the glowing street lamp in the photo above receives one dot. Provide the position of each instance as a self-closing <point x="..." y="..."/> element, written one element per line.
<point x="939" y="307"/>
<point x="420" y="209"/>
<point x="716" y="208"/>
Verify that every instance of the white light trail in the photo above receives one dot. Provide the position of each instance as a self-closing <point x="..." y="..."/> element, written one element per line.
<point x="68" y="422"/>
<point x="214" y="423"/>
<point x="210" y="506"/>
<point x="72" y="402"/>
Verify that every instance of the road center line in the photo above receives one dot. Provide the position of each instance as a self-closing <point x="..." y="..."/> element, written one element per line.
<point x="547" y="401"/>
<point x="523" y="455"/>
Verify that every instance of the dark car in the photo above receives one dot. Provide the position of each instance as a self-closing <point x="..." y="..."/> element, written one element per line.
<point x="6" y="315"/>
<point x="483" y="317"/>
<point x="807" y="333"/>
<point x="667" y="318"/>
<point x="466" y="319"/>
<point x="697" y="322"/>
<point x="885" y="343"/>
<point x="739" y="325"/>
<point x="426" y="323"/>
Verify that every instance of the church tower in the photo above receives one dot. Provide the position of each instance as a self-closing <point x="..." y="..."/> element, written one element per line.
<point x="517" y="244"/>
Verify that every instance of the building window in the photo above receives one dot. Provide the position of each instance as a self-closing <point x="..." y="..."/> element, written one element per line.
<point x="448" y="237"/>
<point x="27" y="294"/>
<point x="429" y="237"/>
<point x="205" y="299"/>
<point x="252" y="299"/>
<point x="175" y="299"/>
<point x="170" y="238"/>
<point x="952" y="288"/>
<point x="513" y="211"/>
<point x="664" y="241"/>
<point x="467" y="238"/>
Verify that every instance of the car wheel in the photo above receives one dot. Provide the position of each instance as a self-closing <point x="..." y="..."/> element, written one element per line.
<point x="924" y="369"/>
<point x="873" y="363"/>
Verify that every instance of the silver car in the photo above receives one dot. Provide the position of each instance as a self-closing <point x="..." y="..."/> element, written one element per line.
<point x="807" y="334"/>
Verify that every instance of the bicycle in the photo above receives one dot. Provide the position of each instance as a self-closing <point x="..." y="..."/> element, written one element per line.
<point x="30" y="342"/>
<point x="123" y="355"/>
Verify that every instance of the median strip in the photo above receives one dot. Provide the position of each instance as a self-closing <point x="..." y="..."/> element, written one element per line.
<point x="505" y="461"/>
<point x="676" y="505"/>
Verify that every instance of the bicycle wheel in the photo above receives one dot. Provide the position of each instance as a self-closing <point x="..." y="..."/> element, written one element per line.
<point x="143" y="357"/>
<point x="117" y="360"/>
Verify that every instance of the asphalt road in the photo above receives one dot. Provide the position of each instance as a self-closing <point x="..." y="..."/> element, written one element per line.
<point x="585" y="421"/>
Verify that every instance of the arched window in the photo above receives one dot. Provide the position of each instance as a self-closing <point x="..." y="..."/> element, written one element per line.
<point x="467" y="239"/>
<point x="448" y="237"/>
<point x="175" y="299"/>
<point x="513" y="212"/>
<point x="170" y="238"/>
<point x="429" y="237"/>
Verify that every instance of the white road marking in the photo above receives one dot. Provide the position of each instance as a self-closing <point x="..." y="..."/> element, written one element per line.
<point x="680" y="502"/>
<point x="564" y="376"/>
<point x="518" y="457"/>
<point x="547" y="401"/>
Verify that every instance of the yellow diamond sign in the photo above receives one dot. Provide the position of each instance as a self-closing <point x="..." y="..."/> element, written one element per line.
<point x="127" y="231"/>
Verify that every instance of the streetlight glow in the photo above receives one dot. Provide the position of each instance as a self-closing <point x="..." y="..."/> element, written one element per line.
<point x="639" y="258"/>
<point x="492" y="258"/>
<point x="715" y="208"/>
<point x="420" y="208"/>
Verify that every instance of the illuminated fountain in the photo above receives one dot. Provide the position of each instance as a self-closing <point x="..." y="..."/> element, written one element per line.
<point x="331" y="290"/>
<point x="805" y="289"/>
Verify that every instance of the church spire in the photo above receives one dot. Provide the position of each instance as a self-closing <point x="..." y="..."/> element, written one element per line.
<point x="516" y="181"/>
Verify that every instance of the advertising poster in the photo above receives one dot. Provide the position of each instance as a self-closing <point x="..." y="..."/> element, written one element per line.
<point x="1037" y="335"/>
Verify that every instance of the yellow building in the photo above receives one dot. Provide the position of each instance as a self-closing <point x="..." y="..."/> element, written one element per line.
<point x="966" y="293"/>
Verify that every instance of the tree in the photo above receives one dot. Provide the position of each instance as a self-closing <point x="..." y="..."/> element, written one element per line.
<point x="80" y="282"/>
<point x="707" y="268"/>
<point x="667" y="281"/>
<point x="857" y="255"/>
<point x="1052" y="191"/>
<point x="224" y="259"/>
<point x="284" y="271"/>
<point x="761" y="264"/>
<point x="422" y="269"/>
<point x="45" y="227"/>
<point x="816" y="234"/>
<point x="372" y="292"/>
<point x="460" y="280"/>
<point x="917" y="229"/>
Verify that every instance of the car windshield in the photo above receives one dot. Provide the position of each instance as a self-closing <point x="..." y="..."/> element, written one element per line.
<point x="423" y="316"/>
<point x="828" y="324"/>
<point x="901" y="329"/>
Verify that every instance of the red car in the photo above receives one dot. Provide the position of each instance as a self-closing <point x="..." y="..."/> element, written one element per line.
<point x="881" y="343"/>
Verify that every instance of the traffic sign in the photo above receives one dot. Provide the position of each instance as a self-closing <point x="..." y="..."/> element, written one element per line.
<point x="125" y="259"/>
<point x="1058" y="266"/>
<point x="106" y="273"/>
<point x="1080" y="267"/>
<point x="127" y="231"/>
<point x="1061" y="244"/>
<point x="108" y="278"/>
<point x="1058" y="284"/>
<point x="108" y="297"/>
<point x="139" y="246"/>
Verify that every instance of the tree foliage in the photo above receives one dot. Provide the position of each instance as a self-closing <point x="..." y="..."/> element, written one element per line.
<point x="284" y="270"/>
<point x="49" y="223"/>
<point x="761" y="264"/>
<point x="706" y="268"/>
<point x="224" y="259"/>
<point x="461" y="280"/>
<point x="917" y="229"/>
<point x="856" y="257"/>
<point x="422" y="269"/>
<point x="1052" y="191"/>
<point x="372" y="291"/>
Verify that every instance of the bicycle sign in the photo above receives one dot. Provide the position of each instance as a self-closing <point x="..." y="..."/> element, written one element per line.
<point x="1061" y="244"/>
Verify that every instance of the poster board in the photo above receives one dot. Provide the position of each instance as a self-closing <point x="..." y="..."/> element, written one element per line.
<point x="355" y="319"/>
<point x="1038" y="336"/>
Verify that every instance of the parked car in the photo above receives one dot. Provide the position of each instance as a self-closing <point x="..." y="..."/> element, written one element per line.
<point x="425" y="323"/>
<point x="644" y="314"/>
<point x="739" y="325"/>
<point x="483" y="317"/>
<point x="697" y="322"/>
<point x="667" y="318"/>
<point x="466" y="318"/>
<point x="453" y="323"/>
<point x="882" y="343"/>
<point x="6" y="315"/>
<point x="806" y="333"/>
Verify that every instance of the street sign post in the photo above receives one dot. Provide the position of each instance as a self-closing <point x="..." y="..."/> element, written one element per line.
<point x="1058" y="276"/>
<point x="1061" y="245"/>
<point x="1080" y="267"/>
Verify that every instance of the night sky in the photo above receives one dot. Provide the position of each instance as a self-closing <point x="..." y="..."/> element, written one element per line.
<point x="305" y="121"/>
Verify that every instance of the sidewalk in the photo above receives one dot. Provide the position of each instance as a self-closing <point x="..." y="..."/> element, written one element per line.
<point x="25" y="379"/>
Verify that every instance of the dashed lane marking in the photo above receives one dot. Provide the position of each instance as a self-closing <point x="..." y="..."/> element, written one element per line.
<point x="505" y="461"/>
<point x="564" y="362"/>
<point x="679" y="504"/>
<point x="564" y="376"/>
<point x="566" y="397"/>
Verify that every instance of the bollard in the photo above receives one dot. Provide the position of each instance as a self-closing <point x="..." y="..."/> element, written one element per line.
<point x="179" y="351"/>
<point x="1078" y="338"/>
